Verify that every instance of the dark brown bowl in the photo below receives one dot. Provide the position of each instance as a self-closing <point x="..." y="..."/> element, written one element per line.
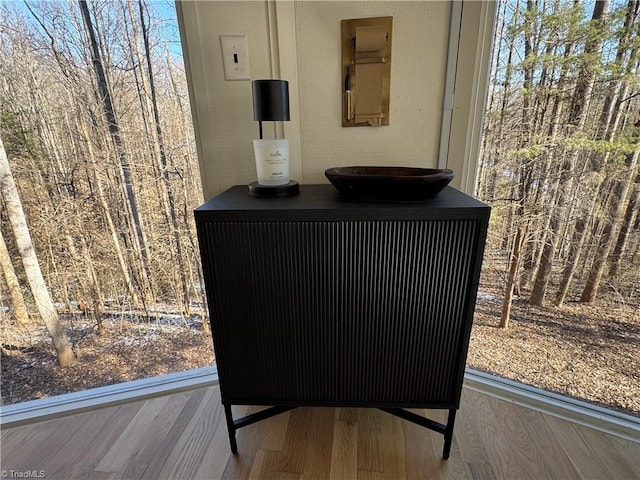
<point x="395" y="183"/>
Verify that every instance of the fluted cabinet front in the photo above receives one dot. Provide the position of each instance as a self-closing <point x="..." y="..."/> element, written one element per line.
<point x="402" y="314"/>
<point x="273" y="297"/>
<point x="341" y="312"/>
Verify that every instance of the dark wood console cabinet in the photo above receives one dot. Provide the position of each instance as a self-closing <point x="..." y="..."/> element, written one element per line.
<point x="320" y="300"/>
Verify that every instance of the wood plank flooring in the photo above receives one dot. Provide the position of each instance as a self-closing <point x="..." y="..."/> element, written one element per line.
<point x="184" y="436"/>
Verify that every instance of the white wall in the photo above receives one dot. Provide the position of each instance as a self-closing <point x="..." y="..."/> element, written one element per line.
<point x="222" y="111"/>
<point x="300" y="41"/>
<point x="418" y="67"/>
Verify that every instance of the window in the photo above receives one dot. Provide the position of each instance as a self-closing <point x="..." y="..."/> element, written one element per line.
<point x="559" y="166"/>
<point x="95" y="122"/>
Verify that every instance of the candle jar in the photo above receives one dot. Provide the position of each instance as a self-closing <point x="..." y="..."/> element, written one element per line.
<point x="272" y="161"/>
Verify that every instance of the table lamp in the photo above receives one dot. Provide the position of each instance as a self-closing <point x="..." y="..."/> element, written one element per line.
<point x="271" y="103"/>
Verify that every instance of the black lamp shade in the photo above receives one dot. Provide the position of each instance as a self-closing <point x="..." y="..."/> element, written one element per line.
<point x="270" y="100"/>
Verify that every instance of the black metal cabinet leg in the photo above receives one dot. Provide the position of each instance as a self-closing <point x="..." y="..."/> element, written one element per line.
<point x="231" y="428"/>
<point x="448" y="434"/>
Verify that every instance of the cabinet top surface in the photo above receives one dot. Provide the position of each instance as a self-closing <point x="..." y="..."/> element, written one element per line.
<point x="323" y="202"/>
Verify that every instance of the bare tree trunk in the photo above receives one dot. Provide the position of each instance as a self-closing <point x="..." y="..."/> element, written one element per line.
<point x="114" y="131"/>
<point x="142" y="91"/>
<point x="587" y="77"/>
<point x="635" y="252"/>
<point x="20" y="313"/>
<point x="39" y="289"/>
<point x="597" y="269"/>
<point x="525" y="180"/>
<point x="576" y="248"/>
<point x="174" y="85"/>
<point x="544" y="268"/>
<point x="109" y="219"/>
<point x="627" y="223"/>
<point x="610" y="117"/>
<point x="619" y="89"/>
<point x="513" y="287"/>
<point x="514" y="265"/>
<point x="94" y="289"/>
<point x="180" y="260"/>
<point x="488" y="158"/>
<point x="577" y="117"/>
<point x="550" y="237"/>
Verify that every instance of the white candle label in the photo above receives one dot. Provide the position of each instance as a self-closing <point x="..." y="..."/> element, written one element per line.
<point x="272" y="161"/>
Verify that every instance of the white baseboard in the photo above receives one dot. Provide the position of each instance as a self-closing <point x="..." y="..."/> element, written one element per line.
<point x="578" y="411"/>
<point x="77" y="402"/>
<point x="583" y="413"/>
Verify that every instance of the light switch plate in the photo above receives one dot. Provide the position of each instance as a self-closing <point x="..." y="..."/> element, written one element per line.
<point x="235" y="57"/>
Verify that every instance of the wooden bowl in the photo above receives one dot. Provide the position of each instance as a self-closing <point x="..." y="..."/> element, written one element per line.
<point x="394" y="183"/>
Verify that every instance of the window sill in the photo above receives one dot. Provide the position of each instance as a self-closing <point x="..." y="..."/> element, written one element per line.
<point x="603" y="419"/>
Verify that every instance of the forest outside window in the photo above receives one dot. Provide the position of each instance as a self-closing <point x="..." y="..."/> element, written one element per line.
<point x="98" y="142"/>
<point x="559" y="297"/>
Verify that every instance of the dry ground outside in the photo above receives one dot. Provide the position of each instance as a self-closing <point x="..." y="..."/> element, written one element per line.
<point x="584" y="351"/>
<point x="132" y="348"/>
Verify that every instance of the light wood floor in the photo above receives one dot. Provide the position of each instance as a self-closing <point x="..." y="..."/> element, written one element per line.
<point x="184" y="436"/>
